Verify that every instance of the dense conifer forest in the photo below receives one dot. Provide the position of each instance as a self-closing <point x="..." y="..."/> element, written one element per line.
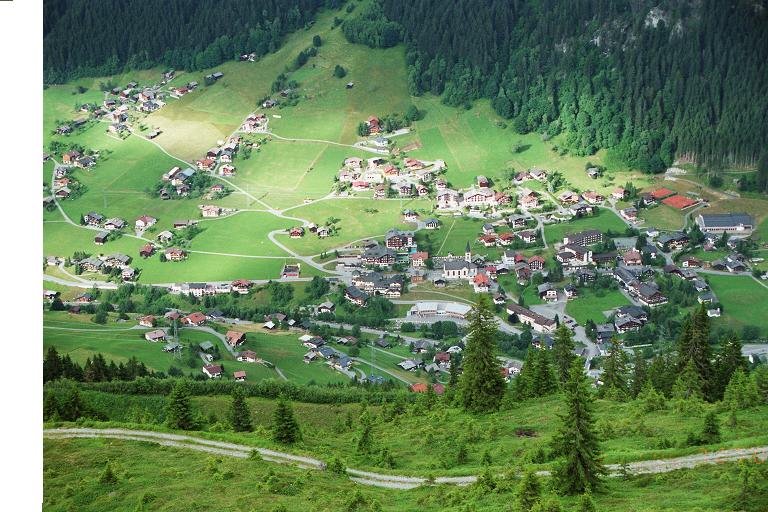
<point x="651" y="80"/>
<point x="91" y="38"/>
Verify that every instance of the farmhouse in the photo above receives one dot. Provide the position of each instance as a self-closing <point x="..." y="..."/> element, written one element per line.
<point x="147" y="321"/>
<point x="419" y="259"/>
<point x="629" y="213"/>
<point x="726" y="223"/>
<point x="154" y="336"/>
<point x="291" y="270"/>
<point x="101" y="237"/>
<point x="356" y="296"/>
<point x="147" y="250"/>
<point x="197" y="318"/>
<point x="145" y="221"/>
<point x="115" y="223"/>
<point x="213" y="371"/>
<point x="248" y="356"/>
<point x="241" y="286"/>
<point x="175" y="254"/>
<point x="235" y="338"/>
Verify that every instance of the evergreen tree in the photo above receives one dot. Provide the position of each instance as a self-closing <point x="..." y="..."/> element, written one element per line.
<point x="639" y="374"/>
<point x="239" y="412"/>
<point x="693" y="346"/>
<point x="741" y="392"/>
<point x="576" y="440"/>
<point x="365" y="440"/>
<point x="528" y="492"/>
<point x="523" y="383"/>
<point x="70" y="404"/>
<point x="544" y="379"/>
<point x="729" y="361"/>
<point x="586" y="504"/>
<point x="179" y="408"/>
<point x="710" y="434"/>
<point x="285" y="428"/>
<point x="688" y="385"/>
<point x="614" y="375"/>
<point x="562" y="352"/>
<point x="52" y="367"/>
<point x="481" y="386"/>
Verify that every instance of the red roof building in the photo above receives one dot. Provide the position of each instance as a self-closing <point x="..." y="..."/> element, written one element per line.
<point x="661" y="193"/>
<point x="679" y="202"/>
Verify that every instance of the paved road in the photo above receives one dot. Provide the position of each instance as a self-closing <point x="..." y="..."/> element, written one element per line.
<point x="379" y="479"/>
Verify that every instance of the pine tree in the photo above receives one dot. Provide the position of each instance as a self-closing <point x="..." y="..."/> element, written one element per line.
<point x="528" y="492"/>
<point x="576" y="440"/>
<point x="239" y="412"/>
<point x="179" y="408"/>
<point x="688" y="385"/>
<point x="614" y="375"/>
<point x="52" y="367"/>
<point x="544" y="380"/>
<point x="586" y="504"/>
<point x="522" y="388"/>
<point x="365" y="440"/>
<point x="693" y="345"/>
<point x="710" y="434"/>
<point x="562" y="352"/>
<point x="285" y="429"/>
<point x="639" y="374"/>
<point x="741" y="392"/>
<point x="70" y="404"/>
<point x="481" y="386"/>
<point x="729" y="361"/>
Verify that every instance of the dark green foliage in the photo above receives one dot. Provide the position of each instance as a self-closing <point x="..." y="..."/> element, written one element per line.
<point x="339" y="71"/>
<point x="614" y="375"/>
<point x="239" y="413"/>
<point x="576" y="441"/>
<point x="371" y="28"/>
<point x="693" y="347"/>
<point x="741" y="392"/>
<point x="728" y="361"/>
<point x="644" y="91"/>
<point x="365" y="439"/>
<point x="528" y="492"/>
<point x="317" y="41"/>
<point x="537" y="378"/>
<point x="710" y="434"/>
<point x="108" y="477"/>
<point x="285" y="429"/>
<point x="317" y="287"/>
<point x="562" y="352"/>
<point x="179" y="408"/>
<point x="209" y="37"/>
<point x="481" y="385"/>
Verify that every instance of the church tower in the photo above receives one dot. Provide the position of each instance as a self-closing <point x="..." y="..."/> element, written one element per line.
<point x="468" y="254"/>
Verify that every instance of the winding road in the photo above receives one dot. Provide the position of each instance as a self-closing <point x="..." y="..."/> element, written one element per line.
<point x="380" y="479"/>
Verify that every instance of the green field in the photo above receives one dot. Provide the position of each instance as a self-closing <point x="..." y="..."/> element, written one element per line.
<point x="354" y="223"/>
<point x="745" y="301"/>
<point x="662" y="217"/>
<point x="242" y="233"/>
<point x="603" y="220"/>
<point x="590" y="305"/>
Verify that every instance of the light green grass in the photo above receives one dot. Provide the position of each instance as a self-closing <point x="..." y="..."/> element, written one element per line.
<point x="603" y="220"/>
<point x="590" y="305"/>
<point x="745" y="301"/>
<point x="242" y="233"/>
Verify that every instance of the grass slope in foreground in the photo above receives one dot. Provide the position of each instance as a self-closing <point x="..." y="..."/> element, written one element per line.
<point x="150" y="477"/>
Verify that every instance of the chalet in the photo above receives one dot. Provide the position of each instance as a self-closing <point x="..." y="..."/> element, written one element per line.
<point x="239" y="376"/>
<point x="144" y="222"/>
<point x="91" y="264"/>
<point x="481" y="282"/>
<point x="441" y="185"/>
<point x="448" y="199"/>
<point x="241" y="286"/>
<point x="573" y="255"/>
<point x="506" y="239"/>
<point x="410" y="365"/>
<point x="672" y="241"/>
<point x="410" y="215"/>
<point x="648" y="294"/>
<point x="538" y="174"/>
<point x="593" y="172"/>
<point x="227" y="170"/>
<point x="197" y="318"/>
<point x="147" y="250"/>
<point x="291" y="270"/>
<point x="529" y="200"/>
<point x="296" y="232"/>
<point x="581" y="209"/>
<point x="547" y="292"/>
<point x="322" y="231"/>
<point x="164" y="237"/>
<point x="571" y="292"/>
<point x="478" y="197"/>
<point x="101" y="237"/>
<point x="93" y="218"/>
<point x="628" y="323"/>
<point x="399" y="240"/>
<point x="432" y="223"/>
<point x="379" y="255"/>
<point x="205" y="164"/>
<point x="235" y="338"/>
<point x="115" y="223"/>
<point x="117" y="260"/>
<point x="419" y="259"/>
<point x="632" y="311"/>
<point x="528" y="236"/>
<point x="312" y="342"/>
<point x="537" y="322"/>
<point x="604" y="258"/>
<point x="147" y="321"/>
<point x="569" y="197"/>
<point x="70" y="157"/>
<point x="741" y="223"/>
<point x="632" y="257"/>
<point x="536" y="262"/>
<point x="604" y="332"/>
<point x="356" y="296"/>
<point x="584" y="238"/>
<point x="213" y="371"/>
<point x="175" y="254"/>
<point x="210" y="210"/>
<point x="248" y="356"/>
<point x="690" y="262"/>
<point x="488" y="240"/>
<point x="593" y="197"/>
<point x="326" y="307"/>
<point x="373" y="124"/>
<point x="375" y="283"/>
<point x="629" y="213"/>
<point x="619" y="194"/>
<point x="154" y="336"/>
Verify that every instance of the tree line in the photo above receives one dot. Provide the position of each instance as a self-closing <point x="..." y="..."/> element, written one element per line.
<point x="688" y="83"/>
<point x="90" y="38"/>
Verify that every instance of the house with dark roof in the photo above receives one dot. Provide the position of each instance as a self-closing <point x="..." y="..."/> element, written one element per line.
<point x="741" y="223"/>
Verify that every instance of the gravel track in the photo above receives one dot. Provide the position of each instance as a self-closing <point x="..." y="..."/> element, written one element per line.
<point x="379" y="479"/>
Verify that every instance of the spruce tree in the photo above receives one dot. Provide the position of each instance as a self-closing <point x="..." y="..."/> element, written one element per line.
<point x="614" y="375"/>
<point x="528" y="492"/>
<point x="52" y="367"/>
<point x="178" y="408"/>
<point x="562" y="352"/>
<point x="741" y="392"/>
<point x="693" y="345"/>
<point x="710" y="434"/>
<point x="285" y="429"/>
<point x="239" y="412"/>
<point x="639" y="374"/>
<point x="365" y="440"/>
<point x="481" y="386"/>
<point x="729" y="361"/>
<point x="586" y="504"/>
<point x="544" y="379"/>
<point x="70" y="404"/>
<point x="522" y="387"/>
<point x="576" y="440"/>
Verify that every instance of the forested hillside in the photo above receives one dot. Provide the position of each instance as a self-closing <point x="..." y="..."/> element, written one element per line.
<point x="651" y="80"/>
<point x="90" y="38"/>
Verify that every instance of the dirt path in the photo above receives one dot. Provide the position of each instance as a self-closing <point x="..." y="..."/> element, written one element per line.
<point x="379" y="479"/>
